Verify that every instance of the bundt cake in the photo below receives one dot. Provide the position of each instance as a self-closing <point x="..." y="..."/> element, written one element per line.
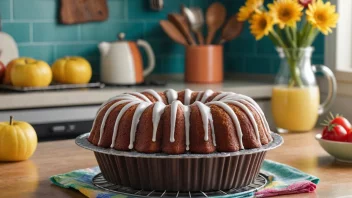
<point x="179" y="122"/>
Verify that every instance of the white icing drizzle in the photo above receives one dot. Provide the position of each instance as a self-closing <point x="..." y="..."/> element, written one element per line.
<point x="206" y="95"/>
<point x="234" y="118"/>
<point x="230" y="96"/>
<point x="136" y="116"/>
<point x="261" y="116"/>
<point x="140" y="95"/>
<point x="186" y="113"/>
<point x="249" y="114"/>
<point x="248" y="100"/>
<point x="205" y="112"/>
<point x="107" y="113"/>
<point x="198" y="95"/>
<point x="121" y="113"/>
<point x="212" y="127"/>
<point x="171" y="95"/>
<point x="174" y="106"/>
<point x="158" y="110"/>
<point x="188" y="95"/>
<point x="123" y="96"/>
<point x="154" y="94"/>
<point x="261" y="113"/>
<point x="220" y="96"/>
<point x="119" y="97"/>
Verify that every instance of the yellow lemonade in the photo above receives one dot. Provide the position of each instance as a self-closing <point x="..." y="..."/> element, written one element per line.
<point x="295" y="109"/>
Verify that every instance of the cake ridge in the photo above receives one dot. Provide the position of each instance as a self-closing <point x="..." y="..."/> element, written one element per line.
<point x="102" y="126"/>
<point x="234" y="117"/>
<point x="222" y="100"/>
<point x="249" y="113"/>
<point x="116" y="125"/>
<point x="154" y="94"/>
<point x="249" y="101"/>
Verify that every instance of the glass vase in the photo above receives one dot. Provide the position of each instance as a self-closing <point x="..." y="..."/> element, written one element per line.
<point x="295" y="96"/>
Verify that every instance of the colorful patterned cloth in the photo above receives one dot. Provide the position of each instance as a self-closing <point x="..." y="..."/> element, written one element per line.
<point x="283" y="180"/>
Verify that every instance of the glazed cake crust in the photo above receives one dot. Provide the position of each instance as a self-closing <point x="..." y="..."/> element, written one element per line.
<point x="179" y="122"/>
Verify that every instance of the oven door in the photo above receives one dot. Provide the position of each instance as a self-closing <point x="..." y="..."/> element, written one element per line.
<point x="58" y="122"/>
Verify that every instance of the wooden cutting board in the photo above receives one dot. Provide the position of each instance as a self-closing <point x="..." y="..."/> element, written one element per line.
<point x="82" y="11"/>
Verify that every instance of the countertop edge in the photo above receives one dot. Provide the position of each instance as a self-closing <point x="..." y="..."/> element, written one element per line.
<point x="14" y="101"/>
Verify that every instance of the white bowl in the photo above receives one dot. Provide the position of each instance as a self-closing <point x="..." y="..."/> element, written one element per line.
<point x="342" y="151"/>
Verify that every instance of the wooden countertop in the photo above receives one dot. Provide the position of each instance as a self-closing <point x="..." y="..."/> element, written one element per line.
<point x="31" y="178"/>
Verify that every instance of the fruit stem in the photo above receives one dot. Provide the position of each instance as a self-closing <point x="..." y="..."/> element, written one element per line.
<point x="11" y="120"/>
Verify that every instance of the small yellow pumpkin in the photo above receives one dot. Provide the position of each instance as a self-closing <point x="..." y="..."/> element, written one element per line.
<point x="72" y="70"/>
<point x="31" y="73"/>
<point x="18" y="140"/>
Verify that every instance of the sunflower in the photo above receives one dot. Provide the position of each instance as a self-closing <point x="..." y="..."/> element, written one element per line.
<point x="286" y="12"/>
<point x="261" y="24"/>
<point x="244" y="14"/>
<point x="248" y="9"/>
<point x="322" y="16"/>
<point x="254" y="4"/>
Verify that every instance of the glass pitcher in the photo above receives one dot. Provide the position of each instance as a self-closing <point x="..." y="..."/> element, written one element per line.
<point x="295" y="96"/>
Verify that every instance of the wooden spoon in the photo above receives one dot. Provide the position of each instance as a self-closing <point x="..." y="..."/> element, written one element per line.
<point x="172" y="31"/>
<point x="180" y="22"/>
<point x="231" y="30"/>
<point x="215" y="17"/>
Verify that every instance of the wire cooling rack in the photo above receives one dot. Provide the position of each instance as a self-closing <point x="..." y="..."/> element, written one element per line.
<point x="100" y="182"/>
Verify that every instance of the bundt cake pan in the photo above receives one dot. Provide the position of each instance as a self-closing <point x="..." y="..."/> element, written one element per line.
<point x="185" y="172"/>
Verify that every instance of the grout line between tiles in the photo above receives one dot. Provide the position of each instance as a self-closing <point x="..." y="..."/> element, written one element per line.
<point x="79" y="33"/>
<point x="58" y="43"/>
<point x="55" y="52"/>
<point x="31" y="37"/>
<point x="11" y="11"/>
<point x="53" y="21"/>
<point x="125" y="3"/>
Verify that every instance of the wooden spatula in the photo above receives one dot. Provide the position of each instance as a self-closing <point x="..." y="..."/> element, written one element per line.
<point x="181" y="23"/>
<point x="82" y="11"/>
<point x="172" y="31"/>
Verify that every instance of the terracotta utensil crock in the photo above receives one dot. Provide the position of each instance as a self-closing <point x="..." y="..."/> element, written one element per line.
<point x="204" y="64"/>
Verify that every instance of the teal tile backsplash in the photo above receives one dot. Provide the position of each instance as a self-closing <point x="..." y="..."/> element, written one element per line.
<point x="34" y="25"/>
<point x="86" y="50"/>
<point x="34" y="9"/>
<point x="20" y="31"/>
<point x="5" y="9"/>
<point x="51" y="32"/>
<point x="43" y="52"/>
<point x="107" y="31"/>
<point x="117" y="9"/>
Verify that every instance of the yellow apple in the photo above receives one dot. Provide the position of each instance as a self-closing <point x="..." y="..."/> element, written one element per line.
<point x="31" y="73"/>
<point x="21" y="60"/>
<point x="72" y="70"/>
